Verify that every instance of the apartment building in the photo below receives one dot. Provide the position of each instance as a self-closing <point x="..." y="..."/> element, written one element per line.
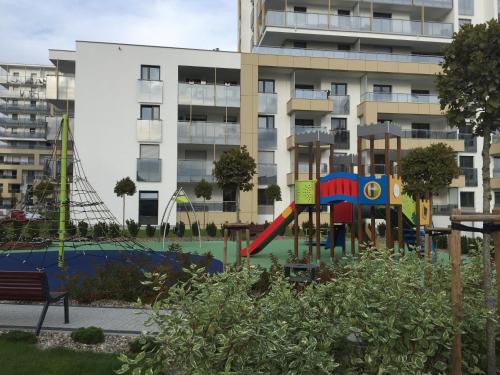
<point x="163" y="115"/>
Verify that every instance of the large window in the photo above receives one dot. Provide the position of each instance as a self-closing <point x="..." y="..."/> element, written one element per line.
<point x="262" y="200"/>
<point x="150" y="72"/>
<point x="384" y="89"/>
<point x="150" y="112"/>
<point x="195" y="154"/>
<point x="420" y="130"/>
<point x="266" y="85"/>
<point x="382" y="15"/>
<point x="467" y="199"/>
<point x="300" y="9"/>
<point x="466" y="161"/>
<point x="266" y="157"/>
<point x="339" y="89"/>
<point x="149" y="151"/>
<point x="497" y="199"/>
<point x="266" y="122"/>
<point x="148" y="207"/>
<point x="339" y="123"/>
<point x="466" y="7"/>
<point x="304" y="122"/>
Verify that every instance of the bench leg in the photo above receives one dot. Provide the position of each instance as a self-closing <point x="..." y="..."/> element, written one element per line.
<point x="42" y="318"/>
<point x="66" y="309"/>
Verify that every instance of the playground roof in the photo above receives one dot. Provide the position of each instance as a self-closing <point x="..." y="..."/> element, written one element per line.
<point x="378" y="131"/>
<point x="324" y="138"/>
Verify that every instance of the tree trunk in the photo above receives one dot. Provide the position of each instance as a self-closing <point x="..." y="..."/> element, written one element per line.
<point x="123" y="213"/>
<point x="490" y="329"/>
<point x="204" y="213"/>
<point x="238" y="205"/>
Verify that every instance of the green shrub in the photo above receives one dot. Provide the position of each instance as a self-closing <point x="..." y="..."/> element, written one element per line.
<point x="114" y="230"/>
<point x="18" y="228"/>
<point x="164" y="229"/>
<point x="381" y="227"/>
<point x="142" y="343"/>
<point x="100" y="230"/>
<point x="305" y="227"/>
<point x="441" y="241"/>
<point x="71" y="229"/>
<point x="194" y="229"/>
<point x="19" y="336"/>
<point x="150" y="230"/>
<point x="89" y="335"/>
<point x="180" y="229"/>
<point x="211" y="230"/>
<point x="83" y="228"/>
<point x="266" y="224"/>
<point x="9" y="234"/>
<point x="133" y="228"/>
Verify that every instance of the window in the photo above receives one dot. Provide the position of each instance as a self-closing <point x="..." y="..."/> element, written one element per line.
<point x="382" y="15"/>
<point x="266" y="122"/>
<point x="304" y="87"/>
<point x="497" y="199"/>
<point x="33" y="103"/>
<point x="343" y="47"/>
<point x="304" y="122"/>
<point x="420" y="92"/>
<point x="385" y="89"/>
<point x="339" y="89"/>
<point x="150" y="112"/>
<point x="464" y="21"/>
<point x="32" y="130"/>
<point x="339" y="123"/>
<point x="148" y="207"/>
<point x="344" y="12"/>
<point x="262" y="200"/>
<point x="15" y="116"/>
<point x="149" y="151"/>
<point x="15" y="102"/>
<point x="299" y="44"/>
<point x="466" y="7"/>
<point x="266" y="85"/>
<point x="266" y="157"/>
<point x="384" y="121"/>
<point x="466" y="161"/>
<point x="300" y="9"/>
<point x="150" y="72"/>
<point x="32" y="117"/>
<point x="467" y="199"/>
<point x="195" y="155"/>
<point x="420" y="130"/>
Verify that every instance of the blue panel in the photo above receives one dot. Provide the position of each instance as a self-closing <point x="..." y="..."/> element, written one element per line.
<point x="338" y="198"/>
<point x="372" y="190"/>
<point x="331" y="176"/>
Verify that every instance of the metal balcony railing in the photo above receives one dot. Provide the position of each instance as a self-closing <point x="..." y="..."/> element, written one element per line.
<point x="268" y="139"/>
<point x="324" y="21"/>
<point x="7" y="121"/>
<point x="148" y="170"/>
<point x="399" y="98"/>
<point x="22" y="94"/>
<point x="267" y="174"/>
<point x="268" y="103"/>
<point x="41" y="108"/>
<point x="209" y="206"/>
<point x="349" y="55"/>
<point x="217" y="133"/>
<point x="429" y="134"/>
<point x="60" y="87"/>
<point x="23" y="134"/>
<point x="194" y="170"/>
<point x="265" y="209"/>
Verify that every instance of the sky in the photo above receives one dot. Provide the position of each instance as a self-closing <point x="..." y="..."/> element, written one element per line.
<point x="28" y="28"/>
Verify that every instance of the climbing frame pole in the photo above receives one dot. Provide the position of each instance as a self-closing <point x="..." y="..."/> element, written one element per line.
<point x="310" y="224"/>
<point x="388" y="224"/>
<point x="372" y="208"/>
<point x="63" y="198"/>
<point x="351" y="226"/>
<point x="317" y="206"/>
<point x="332" y="211"/>
<point x="496" y="239"/>
<point x="295" y="211"/>
<point x="360" y="214"/>
<point x="401" y="244"/>
<point x="455" y="252"/>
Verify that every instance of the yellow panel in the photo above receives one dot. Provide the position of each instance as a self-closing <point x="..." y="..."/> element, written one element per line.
<point x="425" y="212"/>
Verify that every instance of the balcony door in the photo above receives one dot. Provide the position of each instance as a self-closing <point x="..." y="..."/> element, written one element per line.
<point x="150" y="112"/>
<point x="420" y="96"/>
<point x="148" y="207"/>
<point x="382" y="93"/>
<point x="420" y="130"/>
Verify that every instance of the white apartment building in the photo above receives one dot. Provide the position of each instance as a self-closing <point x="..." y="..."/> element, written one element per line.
<point x="163" y="115"/>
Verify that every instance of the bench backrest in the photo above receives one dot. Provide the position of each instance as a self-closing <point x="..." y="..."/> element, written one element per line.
<point x="23" y="286"/>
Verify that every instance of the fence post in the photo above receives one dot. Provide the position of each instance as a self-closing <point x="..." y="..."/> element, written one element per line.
<point x="496" y="239"/>
<point x="455" y="252"/>
<point x="427" y="256"/>
<point x="248" y="248"/>
<point x="226" y="234"/>
<point x="238" y="247"/>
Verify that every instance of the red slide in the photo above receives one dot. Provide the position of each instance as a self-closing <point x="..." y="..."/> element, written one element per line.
<point x="275" y="228"/>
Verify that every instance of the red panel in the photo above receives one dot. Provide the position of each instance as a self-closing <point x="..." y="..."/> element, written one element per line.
<point x="343" y="213"/>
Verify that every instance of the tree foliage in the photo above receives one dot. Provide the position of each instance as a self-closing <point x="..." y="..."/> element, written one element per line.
<point x="428" y="170"/>
<point x="125" y="187"/>
<point x="273" y="193"/>
<point x="203" y="189"/>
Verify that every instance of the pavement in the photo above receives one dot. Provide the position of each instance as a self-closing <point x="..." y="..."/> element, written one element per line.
<point x="113" y="320"/>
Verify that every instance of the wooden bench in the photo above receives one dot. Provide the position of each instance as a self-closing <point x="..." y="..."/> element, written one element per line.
<point x="31" y="287"/>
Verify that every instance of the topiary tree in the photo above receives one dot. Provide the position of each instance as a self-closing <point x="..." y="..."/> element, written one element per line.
<point x="122" y="188"/>
<point x="272" y="194"/>
<point x="469" y="90"/>
<point x="234" y="171"/>
<point x="204" y="190"/>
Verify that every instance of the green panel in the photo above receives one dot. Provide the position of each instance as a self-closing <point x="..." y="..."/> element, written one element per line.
<point x="409" y="208"/>
<point x="304" y="192"/>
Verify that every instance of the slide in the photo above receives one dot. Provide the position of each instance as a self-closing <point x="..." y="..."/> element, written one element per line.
<point x="275" y="228"/>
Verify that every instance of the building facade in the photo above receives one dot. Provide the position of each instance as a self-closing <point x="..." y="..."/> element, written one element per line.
<point x="163" y="115"/>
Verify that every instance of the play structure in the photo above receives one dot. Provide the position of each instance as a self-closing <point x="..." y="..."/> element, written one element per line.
<point x="349" y="195"/>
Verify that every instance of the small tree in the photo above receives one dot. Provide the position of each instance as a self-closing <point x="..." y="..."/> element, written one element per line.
<point x="272" y="194"/>
<point x="122" y="188"/>
<point x="234" y="171"/>
<point x="203" y="189"/>
<point x="426" y="171"/>
<point x="469" y="89"/>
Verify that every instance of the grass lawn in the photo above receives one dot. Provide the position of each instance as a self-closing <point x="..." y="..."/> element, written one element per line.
<point x="21" y="359"/>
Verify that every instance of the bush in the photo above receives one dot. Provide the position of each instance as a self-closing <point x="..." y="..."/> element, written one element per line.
<point x="114" y="230"/>
<point x="164" y="228"/>
<point x="83" y="228"/>
<point x="100" y="230"/>
<point x="150" y="230"/>
<point x="133" y="228"/>
<point x="19" y="336"/>
<point x="266" y="224"/>
<point x="71" y="229"/>
<point x="142" y="343"/>
<point x="441" y="242"/>
<point x="211" y="230"/>
<point x="194" y="229"/>
<point x="18" y="228"/>
<point x="381" y="227"/>
<point x="180" y="229"/>
<point x="89" y="335"/>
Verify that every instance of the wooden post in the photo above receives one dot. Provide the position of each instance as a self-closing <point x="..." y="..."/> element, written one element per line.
<point x="372" y="208"/>
<point x="455" y="252"/>
<point x="332" y="211"/>
<point x="310" y="229"/>
<point x="360" y="214"/>
<point x="353" y="238"/>
<point x="248" y="247"/>
<point x="427" y="257"/>
<point x="318" y="213"/>
<point x="238" y="247"/>
<point x="401" y="244"/>
<point x="226" y="234"/>
<point x="388" y="224"/>
<point x="496" y="239"/>
<point x="295" y="211"/>
<point x="417" y="224"/>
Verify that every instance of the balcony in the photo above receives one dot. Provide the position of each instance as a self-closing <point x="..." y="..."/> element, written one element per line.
<point x="268" y="139"/>
<point x="349" y="55"/>
<point x="399" y="98"/>
<point x="194" y="170"/>
<point x="341" y="104"/>
<point x="7" y="121"/>
<point x="16" y="80"/>
<point x="149" y="130"/>
<point x="470" y="176"/>
<point x="23" y="108"/>
<point x="268" y="103"/>
<point x="324" y="21"/>
<point x="149" y="91"/>
<point x="267" y="174"/>
<point x="310" y="100"/>
<point x="307" y="134"/>
<point x="470" y="142"/>
<point x="209" y="95"/>
<point x="213" y="133"/>
<point x="443" y="209"/>
<point x="148" y="170"/>
<point x="22" y="94"/>
<point x="60" y="87"/>
<point x="209" y="206"/>
<point x="23" y="134"/>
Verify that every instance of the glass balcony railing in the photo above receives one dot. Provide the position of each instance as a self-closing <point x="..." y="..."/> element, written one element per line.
<point x="209" y="95"/>
<point x="466" y="7"/>
<point x="399" y="98"/>
<point x="341" y="137"/>
<point x="22" y="94"/>
<point x="443" y="209"/>
<point x="323" y="21"/>
<point x="268" y="103"/>
<point x="217" y="133"/>
<point x="341" y="104"/>
<point x="470" y="142"/>
<point x="149" y="130"/>
<point x="24" y="108"/>
<point x="349" y="55"/>
<point x="23" y="122"/>
<point x="60" y="87"/>
<point x="268" y="139"/>
<point x="149" y="91"/>
<point x="267" y="174"/>
<point x="310" y="94"/>
<point x="23" y="133"/>
<point x="148" y="170"/>
<point x="14" y="80"/>
<point x="304" y="168"/>
<point x="429" y="134"/>
<point x="194" y="170"/>
<point x="470" y="176"/>
<point x="209" y="206"/>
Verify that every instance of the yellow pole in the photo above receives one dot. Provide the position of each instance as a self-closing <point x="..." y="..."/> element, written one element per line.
<point x="63" y="187"/>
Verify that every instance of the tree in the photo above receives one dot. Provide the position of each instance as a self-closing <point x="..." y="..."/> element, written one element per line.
<point x="203" y="189"/>
<point x="469" y="90"/>
<point x="234" y="171"/>
<point x="272" y="194"/>
<point x="122" y="188"/>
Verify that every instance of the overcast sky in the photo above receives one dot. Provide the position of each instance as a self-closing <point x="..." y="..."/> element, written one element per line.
<point x="28" y="28"/>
